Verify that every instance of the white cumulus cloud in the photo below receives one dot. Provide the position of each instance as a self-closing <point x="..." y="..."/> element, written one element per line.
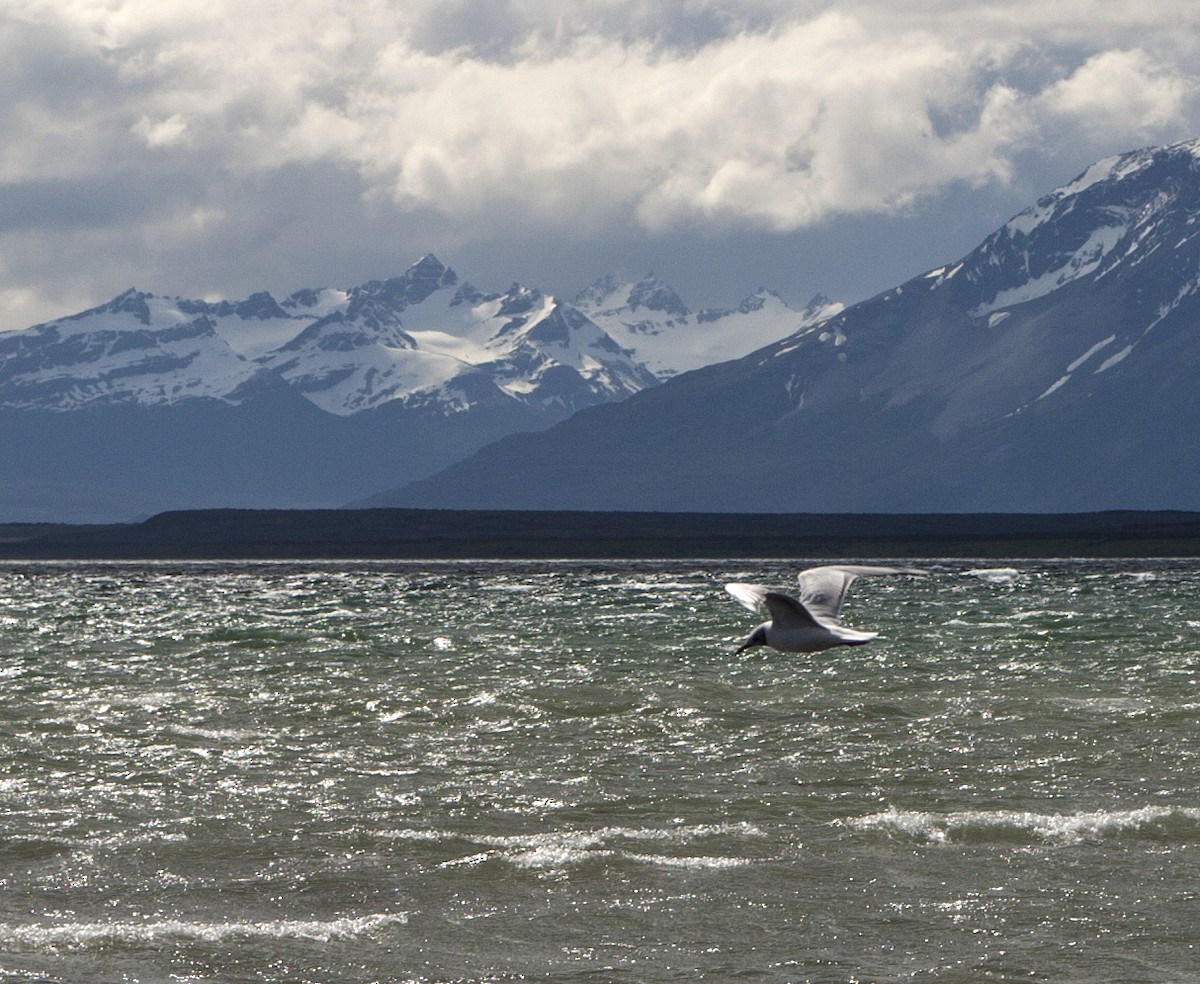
<point x="1126" y="88"/>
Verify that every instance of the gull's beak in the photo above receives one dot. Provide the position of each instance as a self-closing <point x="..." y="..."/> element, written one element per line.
<point x="756" y="638"/>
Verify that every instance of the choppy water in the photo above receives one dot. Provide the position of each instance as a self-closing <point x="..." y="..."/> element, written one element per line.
<point x="556" y="772"/>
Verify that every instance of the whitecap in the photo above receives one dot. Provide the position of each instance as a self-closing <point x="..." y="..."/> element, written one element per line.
<point x="563" y="848"/>
<point x="1047" y="828"/>
<point x="419" y="836"/>
<point x="691" y="863"/>
<point x="215" y="734"/>
<point x="470" y="861"/>
<point x="82" y="935"/>
<point x="994" y="575"/>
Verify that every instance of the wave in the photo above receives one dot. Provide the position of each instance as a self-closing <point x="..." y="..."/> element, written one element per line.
<point x="564" y="848"/>
<point x="983" y="826"/>
<point x="694" y="863"/>
<point x="82" y="935"/>
<point x="994" y="575"/>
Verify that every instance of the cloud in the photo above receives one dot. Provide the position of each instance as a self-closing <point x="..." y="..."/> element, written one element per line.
<point x="162" y="133"/>
<point x="523" y="115"/>
<point x="1127" y="89"/>
<point x="778" y="128"/>
<point x="779" y="125"/>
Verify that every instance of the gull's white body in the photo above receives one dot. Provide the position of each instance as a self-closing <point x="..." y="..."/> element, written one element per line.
<point x="810" y="623"/>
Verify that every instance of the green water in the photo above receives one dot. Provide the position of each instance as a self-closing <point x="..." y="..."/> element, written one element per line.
<point x="493" y="772"/>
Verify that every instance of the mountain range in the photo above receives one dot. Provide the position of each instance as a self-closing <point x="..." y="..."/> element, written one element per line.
<point x="152" y="402"/>
<point x="1052" y="368"/>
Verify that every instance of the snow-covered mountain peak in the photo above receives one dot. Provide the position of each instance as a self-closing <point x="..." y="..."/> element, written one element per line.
<point x="429" y="274"/>
<point x="596" y="296"/>
<point x="415" y="285"/>
<point x="105" y="359"/>
<point x="1121" y="166"/>
<point x="424" y="338"/>
<point x="821" y="307"/>
<point x="1118" y="210"/>
<point x="131" y="311"/>
<point x="520" y="302"/>
<point x="652" y="294"/>
<point x="315" y="302"/>
<point x="427" y="340"/>
<point x="562" y="358"/>
<point x="1096" y="280"/>
<point x="651" y="320"/>
<point x="132" y="302"/>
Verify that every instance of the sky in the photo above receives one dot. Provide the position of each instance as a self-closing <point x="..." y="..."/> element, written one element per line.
<point x="214" y="148"/>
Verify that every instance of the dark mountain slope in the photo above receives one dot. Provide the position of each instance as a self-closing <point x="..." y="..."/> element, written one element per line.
<point x="1052" y="369"/>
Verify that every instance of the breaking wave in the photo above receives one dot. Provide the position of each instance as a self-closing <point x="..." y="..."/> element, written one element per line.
<point x="561" y="849"/>
<point x="982" y="826"/>
<point x="83" y="935"/>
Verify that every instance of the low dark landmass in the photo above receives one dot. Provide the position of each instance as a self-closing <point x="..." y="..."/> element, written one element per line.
<point x="448" y="534"/>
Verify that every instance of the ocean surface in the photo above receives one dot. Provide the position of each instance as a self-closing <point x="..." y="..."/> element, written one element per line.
<point x="495" y="772"/>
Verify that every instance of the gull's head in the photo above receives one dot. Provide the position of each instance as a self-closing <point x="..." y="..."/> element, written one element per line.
<point x="756" y="638"/>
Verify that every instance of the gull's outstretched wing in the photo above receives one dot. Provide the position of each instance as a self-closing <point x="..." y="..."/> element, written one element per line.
<point x="753" y="596"/>
<point x="785" y="610"/>
<point x="823" y="589"/>
<point x="788" y="613"/>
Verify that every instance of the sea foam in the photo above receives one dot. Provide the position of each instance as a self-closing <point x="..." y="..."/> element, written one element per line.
<point x="83" y="935"/>
<point x="971" y="826"/>
<point x="563" y="848"/>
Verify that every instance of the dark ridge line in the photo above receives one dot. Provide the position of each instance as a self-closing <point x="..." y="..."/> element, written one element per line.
<point x="410" y="534"/>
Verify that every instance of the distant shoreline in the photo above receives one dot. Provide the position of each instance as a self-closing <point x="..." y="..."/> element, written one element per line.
<point x="413" y="534"/>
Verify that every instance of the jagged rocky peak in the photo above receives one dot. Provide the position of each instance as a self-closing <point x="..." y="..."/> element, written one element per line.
<point x="652" y="293"/>
<point x="520" y="300"/>
<point x="559" y="324"/>
<point x="416" y="284"/>
<point x="608" y="295"/>
<point x="132" y="301"/>
<point x="1121" y="207"/>
<point x="429" y="274"/>
<point x="307" y="297"/>
<point x="467" y="293"/>
<point x="260" y="306"/>
<point x="597" y="294"/>
<point x="755" y="302"/>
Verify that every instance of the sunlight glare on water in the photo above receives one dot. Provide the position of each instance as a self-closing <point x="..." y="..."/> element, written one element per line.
<point x="470" y="772"/>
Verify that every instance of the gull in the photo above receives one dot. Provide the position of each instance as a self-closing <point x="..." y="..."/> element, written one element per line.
<point x="810" y="623"/>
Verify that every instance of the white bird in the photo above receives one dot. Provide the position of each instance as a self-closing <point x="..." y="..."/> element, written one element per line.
<point x="811" y="622"/>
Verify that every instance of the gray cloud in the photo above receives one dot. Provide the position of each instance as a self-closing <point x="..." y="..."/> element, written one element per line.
<point x="224" y="147"/>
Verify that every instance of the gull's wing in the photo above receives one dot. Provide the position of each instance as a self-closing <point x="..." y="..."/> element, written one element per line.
<point x="753" y="596"/>
<point x="823" y="589"/>
<point x="784" y="610"/>
<point x="788" y="613"/>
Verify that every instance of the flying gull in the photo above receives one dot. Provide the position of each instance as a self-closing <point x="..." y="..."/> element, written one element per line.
<point x="810" y="623"/>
